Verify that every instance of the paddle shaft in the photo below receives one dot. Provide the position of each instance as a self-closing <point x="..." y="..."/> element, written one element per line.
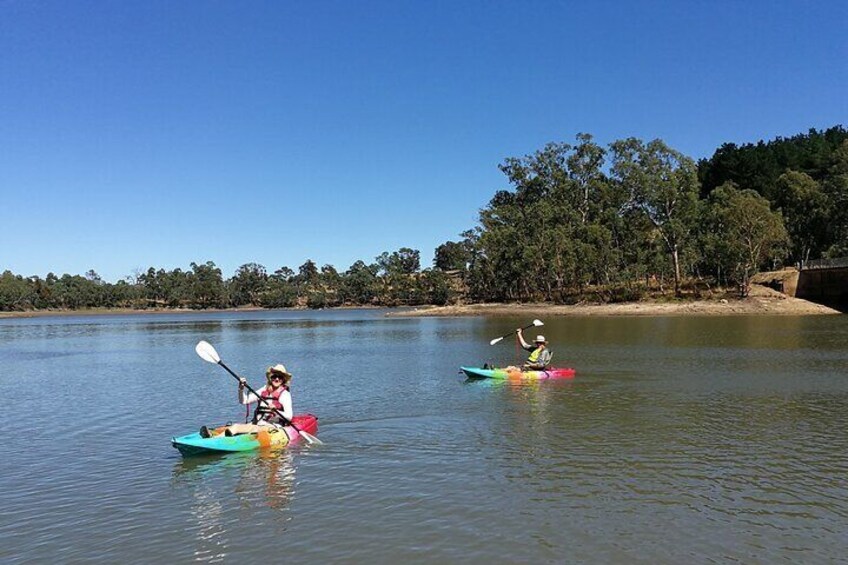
<point x="261" y="400"/>
<point x="512" y="332"/>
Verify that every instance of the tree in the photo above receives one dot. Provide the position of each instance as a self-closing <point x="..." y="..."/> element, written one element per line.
<point x="360" y="284"/>
<point x="206" y="286"/>
<point x="451" y="256"/>
<point x="15" y="292"/>
<point x="663" y="185"/>
<point x="248" y="284"/>
<point x="806" y="210"/>
<point x="744" y="232"/>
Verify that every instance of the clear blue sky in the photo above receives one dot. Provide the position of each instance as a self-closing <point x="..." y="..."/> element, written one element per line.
<point x="156" y="133"/>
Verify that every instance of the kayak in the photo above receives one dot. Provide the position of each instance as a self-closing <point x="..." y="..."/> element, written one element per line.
<point x="273" y="438"/>
<point x="552" y="373"/>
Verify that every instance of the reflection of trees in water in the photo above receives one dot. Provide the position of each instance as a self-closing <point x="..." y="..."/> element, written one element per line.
<point x="257" y="479"/>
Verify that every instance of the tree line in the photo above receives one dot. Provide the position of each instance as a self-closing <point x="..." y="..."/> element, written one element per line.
<point x="392" y="279"/>
<point x="614" y="223"/>
<point x="579" y="221"/>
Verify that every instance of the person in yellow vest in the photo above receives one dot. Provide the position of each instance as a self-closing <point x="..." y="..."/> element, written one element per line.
<point x="540" y="356"/>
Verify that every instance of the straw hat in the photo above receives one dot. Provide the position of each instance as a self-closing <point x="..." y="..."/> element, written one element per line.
<point x="278" y="368"/>
<point x="540" y="339"/>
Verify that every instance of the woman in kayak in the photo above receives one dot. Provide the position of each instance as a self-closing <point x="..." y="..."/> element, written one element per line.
<point x="540" y="355"/>
<point x="274" y="410"/>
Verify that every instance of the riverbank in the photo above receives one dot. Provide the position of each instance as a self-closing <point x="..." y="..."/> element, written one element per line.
<point x="761" y="301"/>
<point x="127" y="311"/>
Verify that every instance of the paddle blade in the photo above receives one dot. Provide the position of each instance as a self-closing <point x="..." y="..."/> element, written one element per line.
<point x="538" y="323"/>
<point x="206" y="352"/>
<point x="310" y="438"/>
<point x="494" y="341"/>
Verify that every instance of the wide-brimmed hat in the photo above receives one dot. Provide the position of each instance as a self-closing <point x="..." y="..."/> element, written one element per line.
<point x="278" y="368"/>
<point x="540" y="339"/>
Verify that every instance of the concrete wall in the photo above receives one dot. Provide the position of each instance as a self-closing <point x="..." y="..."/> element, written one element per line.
<point x="823" y="285"/>
<point x="786" y="281"/>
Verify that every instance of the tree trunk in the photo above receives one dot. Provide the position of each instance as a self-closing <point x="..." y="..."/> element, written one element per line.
<point x="676" y="260"/>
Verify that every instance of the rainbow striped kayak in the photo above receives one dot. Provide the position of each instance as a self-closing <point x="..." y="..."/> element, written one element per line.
<point x="503" y="374"/>
<point x="273" y="438"/>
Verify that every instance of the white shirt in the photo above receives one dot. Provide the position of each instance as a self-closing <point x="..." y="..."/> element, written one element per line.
<point x="285" y="399"/>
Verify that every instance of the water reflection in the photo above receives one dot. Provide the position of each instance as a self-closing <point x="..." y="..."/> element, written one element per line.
<point x="265" y="476"/>
<point x="257" y="479"/>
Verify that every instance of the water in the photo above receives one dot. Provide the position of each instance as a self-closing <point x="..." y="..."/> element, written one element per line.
<point x="680" y="440"/>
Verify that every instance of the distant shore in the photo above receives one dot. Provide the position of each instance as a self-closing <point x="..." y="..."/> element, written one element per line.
<point x="762" y="300"/>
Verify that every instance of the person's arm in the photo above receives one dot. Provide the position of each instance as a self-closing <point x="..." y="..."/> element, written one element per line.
<point x="545" y="358"/>
<point x="286" y="401"/>
<point x="244" y="396"/>
<point x="524" y="344"/>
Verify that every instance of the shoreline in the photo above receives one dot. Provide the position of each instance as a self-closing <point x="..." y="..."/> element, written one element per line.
<point x="761" y="301"/>
<point x="155" y="311"/>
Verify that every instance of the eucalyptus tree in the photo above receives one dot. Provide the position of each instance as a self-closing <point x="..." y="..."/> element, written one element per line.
<point x="742" y="233"/>
<point x="248" y="284"/>
<point x="451" y="256"/>
<point x="360" y="284"/>
<point x="330" y="285"/>
<point x="398" y="270"/>
<point x="663" y="185"/>
<point x="16" y="293"/>
<point x="836" y="187"/>
<point x="280" y="290"/>
<point x="206" y="286"/>
<point x="807" y="213"/>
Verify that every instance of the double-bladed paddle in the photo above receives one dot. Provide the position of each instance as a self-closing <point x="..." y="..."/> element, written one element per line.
<point x="207" y="353"/>
<point x="535" y="323"/>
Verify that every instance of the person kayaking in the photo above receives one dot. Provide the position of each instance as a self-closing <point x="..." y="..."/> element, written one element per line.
<point x="277" y="400"/>
<point x="540" y="355"/>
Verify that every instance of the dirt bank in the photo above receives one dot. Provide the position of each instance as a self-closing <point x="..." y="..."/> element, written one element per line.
<point x="762" y="300"/>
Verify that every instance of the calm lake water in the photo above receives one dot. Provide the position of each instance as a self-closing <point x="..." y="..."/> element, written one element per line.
<point x="680" y="440"/>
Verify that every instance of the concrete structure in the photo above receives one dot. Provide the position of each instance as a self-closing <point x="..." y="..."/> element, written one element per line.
<point x="824" y="281"/>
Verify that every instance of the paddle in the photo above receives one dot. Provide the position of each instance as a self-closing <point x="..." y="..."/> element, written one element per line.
<point x="535" y="323"/>
<point x="208" y="353"/>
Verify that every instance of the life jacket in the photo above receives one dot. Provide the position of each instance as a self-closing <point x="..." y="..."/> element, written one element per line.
<point x="534" y="356"/>
<point x="263" y="412"/>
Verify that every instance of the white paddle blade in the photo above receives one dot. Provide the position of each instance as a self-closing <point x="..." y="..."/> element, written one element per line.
<point x="494" y="341"/>
<point x="311" y="438"/>
<point x="206" y="352"/>
<point x="538" y="323"/>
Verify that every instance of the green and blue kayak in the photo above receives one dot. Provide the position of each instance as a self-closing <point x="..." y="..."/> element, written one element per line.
<point x="272" y="438"/>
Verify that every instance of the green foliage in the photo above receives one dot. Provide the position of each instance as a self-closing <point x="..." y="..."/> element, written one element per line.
<point x="452" y="256"/>
<point x="740" y="233"/>
<point x="576" y="221"/>
<point x="807" y="210"/>
<point x="663" y="185"/>
<point x="278" y="293"/>
<point x="248" y="284"/>
<point x="803" y="176"/>
<point x="206" y="286"/>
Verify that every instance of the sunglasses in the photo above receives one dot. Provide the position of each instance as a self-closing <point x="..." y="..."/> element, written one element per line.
<point x="277" y="377"/>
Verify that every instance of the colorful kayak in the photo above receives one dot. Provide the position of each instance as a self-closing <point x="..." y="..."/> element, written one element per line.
<point x="552" y="373"/>
<point x="274" y="438"/>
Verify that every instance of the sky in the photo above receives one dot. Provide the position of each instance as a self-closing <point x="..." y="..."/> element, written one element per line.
<point x="152" y="133"/>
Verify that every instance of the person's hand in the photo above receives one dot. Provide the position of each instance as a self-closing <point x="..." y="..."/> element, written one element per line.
<point x="242" y="382"/>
